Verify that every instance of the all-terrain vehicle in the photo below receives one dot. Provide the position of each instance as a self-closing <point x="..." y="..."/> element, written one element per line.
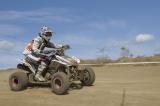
<point x="62" y="71"/>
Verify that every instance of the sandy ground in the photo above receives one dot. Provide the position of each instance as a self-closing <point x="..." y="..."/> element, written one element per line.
<point x="114" y="86"/>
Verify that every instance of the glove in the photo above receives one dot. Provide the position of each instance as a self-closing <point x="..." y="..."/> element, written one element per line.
<point x="66" y="46"/>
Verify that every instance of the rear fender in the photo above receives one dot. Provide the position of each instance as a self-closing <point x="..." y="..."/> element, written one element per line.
<point x="23" y="67"/>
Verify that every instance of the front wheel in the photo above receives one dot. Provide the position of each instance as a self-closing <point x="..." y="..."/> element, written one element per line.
<point x="60" y="83"/>
<point x="18" y="81"/>
<point x="88" y="77"/>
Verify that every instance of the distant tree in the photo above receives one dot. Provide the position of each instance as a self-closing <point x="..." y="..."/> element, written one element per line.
<point x="103" y="53"/>
<point x="131" y="55"/>
<point x="125" y="52"/>
<point x="158" y="54"/>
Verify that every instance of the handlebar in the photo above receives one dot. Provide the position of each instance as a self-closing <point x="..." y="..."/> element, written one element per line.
<point x="58" y="51"/>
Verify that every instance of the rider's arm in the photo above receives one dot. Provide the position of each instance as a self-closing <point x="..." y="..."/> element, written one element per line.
<point x="36" y="45"/>
<point x="52" y="45"/>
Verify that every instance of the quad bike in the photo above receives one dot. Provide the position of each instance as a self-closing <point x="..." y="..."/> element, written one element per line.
<point x="61" y="72"/>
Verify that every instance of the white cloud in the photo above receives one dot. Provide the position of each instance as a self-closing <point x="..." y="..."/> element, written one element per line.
<point x="141" y="38"/>
<point x="6" y="29"/>
<point x="56" y="14"/>
<point x="6" y="45"/>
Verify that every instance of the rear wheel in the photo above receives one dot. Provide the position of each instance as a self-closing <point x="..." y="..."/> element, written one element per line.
<point x="88" y="77"/>
<point x="60" y="83"/>
<point x="18" y="81"/>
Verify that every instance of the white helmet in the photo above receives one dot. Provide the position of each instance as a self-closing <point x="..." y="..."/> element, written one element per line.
<point x="46" y="33"/>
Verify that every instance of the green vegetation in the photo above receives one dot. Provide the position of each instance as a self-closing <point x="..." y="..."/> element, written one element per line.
<point x="154" y="58"/>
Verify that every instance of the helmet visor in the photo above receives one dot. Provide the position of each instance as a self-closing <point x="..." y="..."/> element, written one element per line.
<point x="49" y="34"/>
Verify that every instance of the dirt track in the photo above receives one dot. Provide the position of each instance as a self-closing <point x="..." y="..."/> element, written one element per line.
<point x="141" y="83"/>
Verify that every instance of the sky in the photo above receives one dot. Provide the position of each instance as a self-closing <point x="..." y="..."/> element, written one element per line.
<point x="86" y="25"/>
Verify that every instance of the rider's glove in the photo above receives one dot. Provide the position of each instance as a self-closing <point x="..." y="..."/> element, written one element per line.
<point x="66" y="46"/>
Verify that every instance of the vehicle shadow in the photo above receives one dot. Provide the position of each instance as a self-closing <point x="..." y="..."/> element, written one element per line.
<point x="76" y="86"/>
<point x="39" y="85"/>
<point x="73" y="86"/>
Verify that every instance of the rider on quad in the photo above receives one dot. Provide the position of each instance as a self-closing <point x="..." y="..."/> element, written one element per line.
<point x="35" y="50"/>
<point x="51" y="66"/>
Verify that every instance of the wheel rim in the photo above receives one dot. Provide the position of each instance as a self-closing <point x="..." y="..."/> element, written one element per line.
<point x="86" y="76"/>
<point x="58" y="83"/>
<point x="15" y="81"/>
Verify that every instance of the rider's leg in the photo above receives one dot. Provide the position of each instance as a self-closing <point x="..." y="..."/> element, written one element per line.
<point x="41" y="68"/>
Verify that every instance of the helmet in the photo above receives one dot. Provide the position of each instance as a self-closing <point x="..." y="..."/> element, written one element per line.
<point x="46" y="33"/>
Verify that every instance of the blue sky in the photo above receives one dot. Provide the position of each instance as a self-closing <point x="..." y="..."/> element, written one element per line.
<point x="87" y="25"/>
